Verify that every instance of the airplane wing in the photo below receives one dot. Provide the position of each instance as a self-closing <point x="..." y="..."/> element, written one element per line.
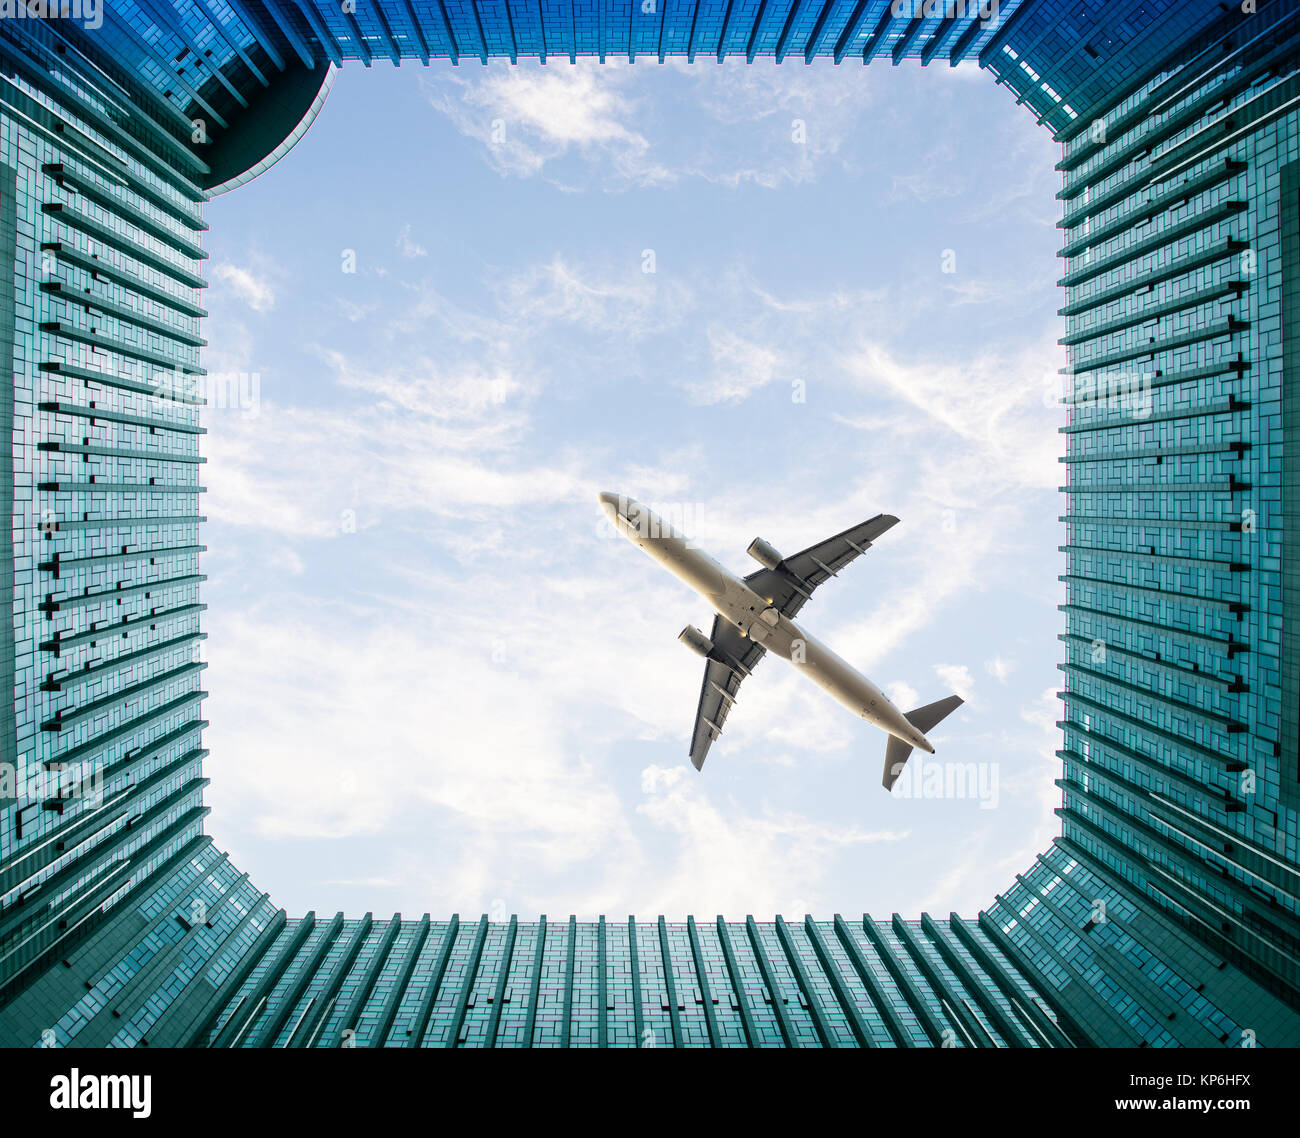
<point x="788" y="586"/>
<point x="791" y="583"/>
<point x="732" y="659"/>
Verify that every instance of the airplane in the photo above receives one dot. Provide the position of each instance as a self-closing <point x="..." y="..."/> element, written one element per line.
<point x="756" y="614"/>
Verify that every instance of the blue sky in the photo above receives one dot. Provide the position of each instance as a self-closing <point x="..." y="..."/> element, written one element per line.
<point x="438" y="680"/>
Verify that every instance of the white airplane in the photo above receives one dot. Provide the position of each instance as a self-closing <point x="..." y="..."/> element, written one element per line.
<point x="755" y="614"/>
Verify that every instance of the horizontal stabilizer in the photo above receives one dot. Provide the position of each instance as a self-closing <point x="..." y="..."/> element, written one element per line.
<point x="923" y="719"/>
<point x="932" y="714"/>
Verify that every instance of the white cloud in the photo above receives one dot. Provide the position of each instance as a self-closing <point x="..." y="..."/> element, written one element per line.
<point x="921" y="187"/>
<point x="287" y="560"/>
<point x="903" y="695"/>
<point x="362" y="882"/>
<point x="355" y="313"/>
<point x="254" y="290"/>
<point x="414" y="437"/>
<point x="407" y="246"/>
<point x="999" y="668"/>
<point x="733" y="862"/>
<point x="656" y="778"/>
<point x="630" y="304"/>
<point x="528" y="118"/>
<point x="957" y="678"/>
<point x="937" y="568"/>
<point x="1045" y="713"/>
<point x="588" y="122"/>
<point x="999" y="402"/>
<point x="740" y="367"/>
<point x="355" y="769"/>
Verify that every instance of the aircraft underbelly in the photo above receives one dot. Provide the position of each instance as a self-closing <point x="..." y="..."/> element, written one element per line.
<point x="836" y="677"/>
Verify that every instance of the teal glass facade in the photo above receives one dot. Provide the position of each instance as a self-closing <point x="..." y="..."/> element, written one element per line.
<point x="1166" y="912"/>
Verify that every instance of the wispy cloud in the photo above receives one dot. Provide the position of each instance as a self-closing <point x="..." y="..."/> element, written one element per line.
<point x="251" y="288"/>
<point x="957" y="679"/>
<point x="999" y="668"/>
<point x="740" y="367"/>
<point x="527" y="119"/>
<point x="407" y="246"/>
<point x="606" y="125"/>
<point x="721" y="854"/>
<point x="1001" y="402"/>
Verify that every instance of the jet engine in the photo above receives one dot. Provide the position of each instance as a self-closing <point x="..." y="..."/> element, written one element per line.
<point x="695" y="640"/>
<point x="763" y="553"/>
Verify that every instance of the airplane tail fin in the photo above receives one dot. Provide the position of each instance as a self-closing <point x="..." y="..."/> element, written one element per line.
<point x="922" y="718"/>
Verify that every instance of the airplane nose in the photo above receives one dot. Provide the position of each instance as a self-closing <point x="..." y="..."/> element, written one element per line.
<point x="610" y="503"/>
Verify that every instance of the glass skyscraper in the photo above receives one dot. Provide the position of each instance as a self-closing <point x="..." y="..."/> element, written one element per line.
<point x="1166" y="912"/>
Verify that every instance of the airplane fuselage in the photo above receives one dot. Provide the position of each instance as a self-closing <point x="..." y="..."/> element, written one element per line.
<point x="757" y="619"/>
